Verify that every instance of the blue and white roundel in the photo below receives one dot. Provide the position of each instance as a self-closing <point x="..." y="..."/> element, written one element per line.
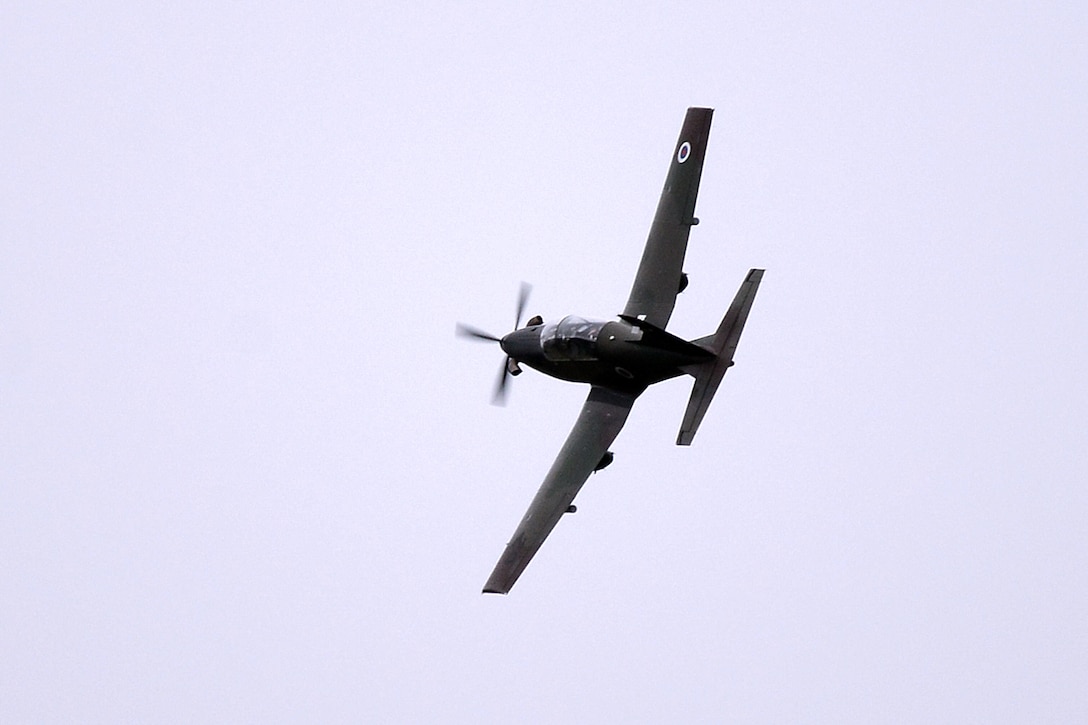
<point x="683" y="153"/>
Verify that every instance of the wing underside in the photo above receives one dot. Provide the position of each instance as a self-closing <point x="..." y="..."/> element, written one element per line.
<point x="603" y="415"/>
<point x="657" y="282"/>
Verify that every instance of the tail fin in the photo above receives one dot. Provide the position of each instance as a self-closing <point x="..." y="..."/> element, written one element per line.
<point x="708" y="375"/>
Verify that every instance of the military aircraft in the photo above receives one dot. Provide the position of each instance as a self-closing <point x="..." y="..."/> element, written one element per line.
<point x="621" y="358"/>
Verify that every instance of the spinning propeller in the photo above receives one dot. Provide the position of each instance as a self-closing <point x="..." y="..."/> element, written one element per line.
<point x="509" y="365"/>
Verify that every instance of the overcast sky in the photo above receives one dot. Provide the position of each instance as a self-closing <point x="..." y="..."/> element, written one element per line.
<point x="248" y="474"/>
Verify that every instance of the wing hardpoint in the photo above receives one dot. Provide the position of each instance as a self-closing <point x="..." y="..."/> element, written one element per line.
<point x="658" y="280"/>
<point x="603" y="415"/>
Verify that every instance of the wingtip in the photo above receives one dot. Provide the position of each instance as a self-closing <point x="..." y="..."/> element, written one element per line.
<point x="488" y="590"/>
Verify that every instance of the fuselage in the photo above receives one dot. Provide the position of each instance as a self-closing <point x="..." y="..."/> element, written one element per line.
<point x="614" y="354"/>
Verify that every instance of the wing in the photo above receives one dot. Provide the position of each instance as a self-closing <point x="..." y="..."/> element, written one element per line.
<point x="600" y="421"/>
<point x="658" y="280"/>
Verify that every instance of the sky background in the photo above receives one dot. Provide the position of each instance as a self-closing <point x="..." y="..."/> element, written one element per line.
<point x="248" y="474"/>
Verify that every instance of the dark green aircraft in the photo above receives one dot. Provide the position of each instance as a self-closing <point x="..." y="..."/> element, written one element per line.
<point x="621" y="358"/>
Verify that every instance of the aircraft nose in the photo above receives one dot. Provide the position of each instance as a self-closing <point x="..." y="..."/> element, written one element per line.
<point x="521" y="344"/>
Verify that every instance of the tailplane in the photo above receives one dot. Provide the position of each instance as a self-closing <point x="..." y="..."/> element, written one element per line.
<point x="723" y="343"/>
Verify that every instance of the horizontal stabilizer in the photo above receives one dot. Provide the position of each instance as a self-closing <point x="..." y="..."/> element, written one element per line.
<point x="708" y="376"/>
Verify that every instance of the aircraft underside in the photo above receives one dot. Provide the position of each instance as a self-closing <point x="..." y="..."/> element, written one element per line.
<point x="620" y="358"/>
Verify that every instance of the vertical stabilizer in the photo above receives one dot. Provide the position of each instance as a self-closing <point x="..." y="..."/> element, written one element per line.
<point x="708" y="376"/>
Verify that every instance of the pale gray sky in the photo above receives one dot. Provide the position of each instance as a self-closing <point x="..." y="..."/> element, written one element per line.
<point x="247" y="473"/>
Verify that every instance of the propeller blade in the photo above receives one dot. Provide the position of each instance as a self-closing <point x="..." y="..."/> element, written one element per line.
<point x="523" y="297"/>
<point x="469" y="331"/>
<point x="499" y="396"/>
<point x="463" y="330"/>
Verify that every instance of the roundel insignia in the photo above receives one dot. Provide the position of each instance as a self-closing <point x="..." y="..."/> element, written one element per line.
<point x="684" y="152"/>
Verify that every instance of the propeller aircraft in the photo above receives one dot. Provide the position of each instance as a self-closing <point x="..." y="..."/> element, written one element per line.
<point x="620" y="358"/>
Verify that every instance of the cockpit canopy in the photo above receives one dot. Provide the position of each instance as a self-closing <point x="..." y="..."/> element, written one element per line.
<point x="572" y="338"/>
